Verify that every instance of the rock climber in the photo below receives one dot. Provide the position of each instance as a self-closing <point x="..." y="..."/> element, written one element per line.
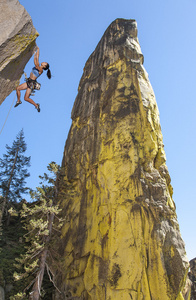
<point x="31" y="82"/>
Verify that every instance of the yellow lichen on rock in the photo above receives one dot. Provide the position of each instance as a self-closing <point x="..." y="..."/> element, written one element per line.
<point x="121" y="239"/>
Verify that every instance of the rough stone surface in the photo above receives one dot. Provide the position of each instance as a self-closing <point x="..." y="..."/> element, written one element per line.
<point x="121" y="238"/>
<point x="17" y="42"/>
<point x="192" y="276"/>
<point x="2" y="293"/>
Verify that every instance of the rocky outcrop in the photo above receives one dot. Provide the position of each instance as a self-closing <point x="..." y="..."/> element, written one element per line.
<point x="121" y="238"/>
<point x="17" y="42"/>
<point x="192" y="276"/>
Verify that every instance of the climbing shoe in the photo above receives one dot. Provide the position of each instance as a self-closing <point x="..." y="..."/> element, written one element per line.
<point x="38" y="107"/>
<point x="18" y="103"/>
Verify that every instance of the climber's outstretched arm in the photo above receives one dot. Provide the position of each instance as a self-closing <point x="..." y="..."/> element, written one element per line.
<point x="36" y="60"/>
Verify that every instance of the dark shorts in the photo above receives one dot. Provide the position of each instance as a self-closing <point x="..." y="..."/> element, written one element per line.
<point x="30" y="83"/>
<point x="33" y="84"/>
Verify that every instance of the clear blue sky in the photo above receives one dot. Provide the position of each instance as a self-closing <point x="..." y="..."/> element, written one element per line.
<point x="69" y="32"/>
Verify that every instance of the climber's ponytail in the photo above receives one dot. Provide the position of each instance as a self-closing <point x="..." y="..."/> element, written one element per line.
<point x="48" y="72"/>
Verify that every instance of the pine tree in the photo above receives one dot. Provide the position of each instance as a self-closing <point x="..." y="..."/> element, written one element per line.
<point x="13" y="173"/>
<point x="39" y="223"/>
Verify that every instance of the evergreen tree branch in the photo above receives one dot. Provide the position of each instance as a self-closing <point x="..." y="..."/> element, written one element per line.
<point x="49" y="271"/>
<point x="39" y="222"/>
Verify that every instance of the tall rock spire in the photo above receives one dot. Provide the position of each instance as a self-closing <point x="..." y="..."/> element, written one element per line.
<point x="121" y="238"/>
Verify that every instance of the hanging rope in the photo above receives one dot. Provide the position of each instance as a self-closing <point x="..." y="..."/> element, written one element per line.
<point x="7" y="115"/>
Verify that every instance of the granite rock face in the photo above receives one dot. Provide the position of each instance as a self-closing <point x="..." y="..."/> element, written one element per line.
<point x="2" y="294"/>
<point x="17" y="42"/>
<point x="192" y="276"/>
<point x="121" y="238"/>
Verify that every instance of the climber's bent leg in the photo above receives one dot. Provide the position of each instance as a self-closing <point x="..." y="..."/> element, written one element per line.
<point x="26" y="97"/>
<point x="19" y="88"/>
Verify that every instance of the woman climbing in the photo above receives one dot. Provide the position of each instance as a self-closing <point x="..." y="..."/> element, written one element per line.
<point x="31" y="83"/>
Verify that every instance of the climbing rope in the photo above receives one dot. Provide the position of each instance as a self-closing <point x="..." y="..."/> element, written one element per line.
<point x="7" y="115"/>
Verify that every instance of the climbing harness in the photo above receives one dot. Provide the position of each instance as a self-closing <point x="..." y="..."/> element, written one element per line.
<point x="7" y="115"/>
<point x="32" y="84"/>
